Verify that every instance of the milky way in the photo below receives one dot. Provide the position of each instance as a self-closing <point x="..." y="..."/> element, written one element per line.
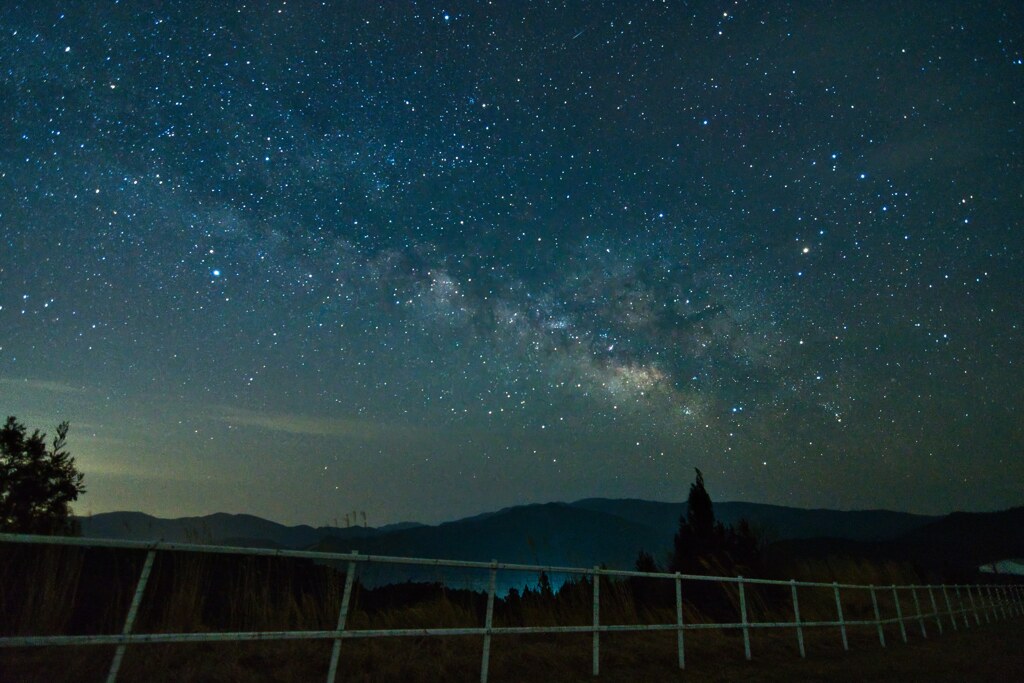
<point x="424" y="261"/>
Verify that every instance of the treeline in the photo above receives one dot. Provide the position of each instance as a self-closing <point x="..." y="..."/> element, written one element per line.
<point x="703" y="545"/>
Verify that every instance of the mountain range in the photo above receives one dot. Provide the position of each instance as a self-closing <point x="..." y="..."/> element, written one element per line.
<point x="951" y="546"/>
<point x="219" y="528"/>
<point x="598" y="531"/>
<point x="607" y="532"/>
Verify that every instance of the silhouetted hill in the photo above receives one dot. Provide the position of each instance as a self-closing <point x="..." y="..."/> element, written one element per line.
<point x="219" y="528"/>
<point x="976" y="537"/>
<point x="776" y="521"/>
<point x="651" y="523"/>
<point x="552" y="534"/>
<point x="609" y="532"/>
<point x="954" y="545"/>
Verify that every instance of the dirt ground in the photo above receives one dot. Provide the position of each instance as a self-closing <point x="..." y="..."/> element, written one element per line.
<point x="990" y="653"/>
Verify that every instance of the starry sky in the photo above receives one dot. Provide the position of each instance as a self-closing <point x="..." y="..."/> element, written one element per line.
<point x="425" y="260"/>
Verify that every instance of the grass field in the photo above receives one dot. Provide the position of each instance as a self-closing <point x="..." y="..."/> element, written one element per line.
<point x="68" y="590"/>
<point x="991" y="653"/>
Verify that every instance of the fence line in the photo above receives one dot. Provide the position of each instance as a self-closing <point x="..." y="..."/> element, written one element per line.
<point x="994" y="601"/>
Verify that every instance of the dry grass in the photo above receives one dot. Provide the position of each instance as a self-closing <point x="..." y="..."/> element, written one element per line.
<point x="68" y="590"/>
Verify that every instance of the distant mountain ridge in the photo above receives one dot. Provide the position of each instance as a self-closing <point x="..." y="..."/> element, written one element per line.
<point x="775" y="521"/>
<point x="219" y="528"/>
<point x="550" y="533"/>
<point x="593" y="530"/>
<point x="606" y="532"/>
<point x="952" y="545"/>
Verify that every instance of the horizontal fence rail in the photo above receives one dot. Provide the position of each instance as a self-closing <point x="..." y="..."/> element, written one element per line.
<point x="954" y="605"/>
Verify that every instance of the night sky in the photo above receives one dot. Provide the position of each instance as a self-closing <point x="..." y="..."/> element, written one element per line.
<point x="427" y="260"/>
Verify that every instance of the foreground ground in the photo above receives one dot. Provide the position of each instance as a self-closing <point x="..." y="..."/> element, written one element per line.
<point x="53" y="591"/>
<point x="992" y="653"/>
<point x="989" y="652"/>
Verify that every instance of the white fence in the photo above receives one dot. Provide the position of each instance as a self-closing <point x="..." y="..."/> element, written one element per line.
<point x="957" y="604"/>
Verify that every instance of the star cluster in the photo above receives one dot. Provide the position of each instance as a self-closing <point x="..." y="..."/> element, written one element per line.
<point x="424" y="260"/>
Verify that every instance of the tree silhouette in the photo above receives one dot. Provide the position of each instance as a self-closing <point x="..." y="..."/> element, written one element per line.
<point x="702" y="544"/>
<point x="37" y="484"/>
<point x="744" y="547"/>
<point x="700" y="512"/>
<point x="544" y="585"/>
<point x="695" y="537"/>
<point x="645" y="562"/>
<point x="649" y="592"/>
